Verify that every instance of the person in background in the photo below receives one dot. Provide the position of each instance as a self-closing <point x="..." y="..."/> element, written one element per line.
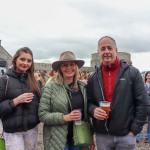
<point x="81" y="76"/>
<point x="43" y="79"/>
<point x="2" y="72"/>
<point x="37" y="78"/>
<point x="52" y="74"/>
<point x="147" y="136"/>
<point x="19" y="101"/>
<point x="61" y="100"/>
<point x="120" y="84"/>
<point x="147" y="84"/>
<point x="84" y="76"/>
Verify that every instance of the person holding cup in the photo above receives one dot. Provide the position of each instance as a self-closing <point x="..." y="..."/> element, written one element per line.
<point x="19" y="100"/>
<point x="122" y="86"/>
<point x="62" y="103"/>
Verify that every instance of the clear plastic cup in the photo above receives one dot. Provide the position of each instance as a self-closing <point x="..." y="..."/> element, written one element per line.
<point x="105" y="105"/>
<point x="78" y="122"/>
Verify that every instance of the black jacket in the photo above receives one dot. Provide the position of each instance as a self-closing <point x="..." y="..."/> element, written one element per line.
<point x="24" y="116"/>
<point x="128" y="107"/>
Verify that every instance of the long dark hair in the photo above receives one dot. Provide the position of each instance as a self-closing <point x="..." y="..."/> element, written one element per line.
<point x="31" y="79"/>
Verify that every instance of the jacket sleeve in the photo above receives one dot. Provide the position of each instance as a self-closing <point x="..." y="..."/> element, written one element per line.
<point x="5" y="104"/>
<point x="90" y="97"/>
<point x="46" y="113"/>
<point x="141" y="102"/>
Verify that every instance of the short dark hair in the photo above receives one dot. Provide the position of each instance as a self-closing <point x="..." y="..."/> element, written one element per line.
<point x="109" y="38"/>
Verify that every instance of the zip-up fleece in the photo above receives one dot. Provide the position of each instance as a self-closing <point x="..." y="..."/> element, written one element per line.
<point x="128" y="107"/>
<point x="109" y="75"/>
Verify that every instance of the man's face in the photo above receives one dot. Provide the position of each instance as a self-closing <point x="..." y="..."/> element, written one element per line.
<point x="107" y="51"/>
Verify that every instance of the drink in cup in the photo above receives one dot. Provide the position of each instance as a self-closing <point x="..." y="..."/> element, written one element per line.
<point x="78" y="122"/>
<point x="105" y="105"/>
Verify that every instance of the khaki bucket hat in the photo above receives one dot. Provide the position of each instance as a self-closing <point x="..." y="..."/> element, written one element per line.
<point x="67" y="56"/>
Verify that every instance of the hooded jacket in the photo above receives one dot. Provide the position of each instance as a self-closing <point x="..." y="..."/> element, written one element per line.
<point x="128" y="107"/>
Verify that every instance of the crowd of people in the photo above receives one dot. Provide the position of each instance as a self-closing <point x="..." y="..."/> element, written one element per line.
<point x="65" y="95"/>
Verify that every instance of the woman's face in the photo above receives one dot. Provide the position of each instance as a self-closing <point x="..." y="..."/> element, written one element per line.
<point x="68" y="69"/>
<point x="23" y="62"/>
<point x="148" y="77"/>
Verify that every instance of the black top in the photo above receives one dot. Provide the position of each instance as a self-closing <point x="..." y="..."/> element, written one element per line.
<point x="77" y="102"/>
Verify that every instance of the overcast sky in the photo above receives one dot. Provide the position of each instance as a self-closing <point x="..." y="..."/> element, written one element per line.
<point x="50" y="27"/>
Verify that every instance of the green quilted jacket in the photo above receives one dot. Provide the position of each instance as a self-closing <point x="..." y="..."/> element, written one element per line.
<point x="53" y="105"/>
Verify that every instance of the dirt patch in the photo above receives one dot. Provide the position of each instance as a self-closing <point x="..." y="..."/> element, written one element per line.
<point x="140" y="146"/>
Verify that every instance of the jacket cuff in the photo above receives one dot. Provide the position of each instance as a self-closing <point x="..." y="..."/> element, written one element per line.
<point x="11" y="104"/>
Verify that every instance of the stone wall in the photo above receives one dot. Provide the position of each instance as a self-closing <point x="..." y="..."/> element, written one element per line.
<point x="5" y="56"/>
<point x="95" y="60"/>
<point x="42" y="66"/>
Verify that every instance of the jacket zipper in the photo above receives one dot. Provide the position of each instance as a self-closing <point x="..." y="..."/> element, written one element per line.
<point x="103" y="99"/>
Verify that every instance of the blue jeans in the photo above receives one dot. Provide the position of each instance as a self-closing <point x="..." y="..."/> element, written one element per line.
<point x="110" y="142"/>
<point x="71" y="146"/>
<point x="139" y="136"/>
<point x="147" y="136"/>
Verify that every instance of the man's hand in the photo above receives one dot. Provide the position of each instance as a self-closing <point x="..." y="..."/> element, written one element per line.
<point x="100" y="114"/>
<point x="131" y="133"/>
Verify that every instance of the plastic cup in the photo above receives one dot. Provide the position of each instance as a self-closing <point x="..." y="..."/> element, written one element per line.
<point x="105" y="105"/>
<point x="78" y="122"/>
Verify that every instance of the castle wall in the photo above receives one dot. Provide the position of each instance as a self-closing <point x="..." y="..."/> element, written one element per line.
<point x="95" y="60"/>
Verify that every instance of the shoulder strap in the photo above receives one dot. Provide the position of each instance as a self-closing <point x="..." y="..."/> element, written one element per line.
<point x="69" y="98"/>
<point x="7" y="78"/>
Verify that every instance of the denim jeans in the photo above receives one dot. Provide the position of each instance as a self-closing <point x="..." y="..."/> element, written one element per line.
<point x="71" y="146"/>
<point x="110" y="142"/>
<point x="139" y="136"/>
<point x="147" y="136"/>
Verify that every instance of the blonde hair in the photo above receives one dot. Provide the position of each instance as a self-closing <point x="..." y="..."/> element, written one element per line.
<point x="60" y="79"/>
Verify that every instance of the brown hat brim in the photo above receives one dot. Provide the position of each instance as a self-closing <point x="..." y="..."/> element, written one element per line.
<point x="56" y="64"/>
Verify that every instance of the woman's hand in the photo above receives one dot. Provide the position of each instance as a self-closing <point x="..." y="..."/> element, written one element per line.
<point x="74" y="115"/>
<point x="23" y="98"/>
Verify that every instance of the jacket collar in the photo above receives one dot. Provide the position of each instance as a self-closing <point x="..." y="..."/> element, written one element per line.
<point x="113" y="66"/>
<point x="15" y="74"/>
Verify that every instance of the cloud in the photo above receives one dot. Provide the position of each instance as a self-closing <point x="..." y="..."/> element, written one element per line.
<point x="51" y="27"/>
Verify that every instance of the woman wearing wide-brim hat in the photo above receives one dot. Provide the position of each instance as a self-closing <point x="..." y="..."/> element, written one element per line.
<point x="55" y="109"/>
